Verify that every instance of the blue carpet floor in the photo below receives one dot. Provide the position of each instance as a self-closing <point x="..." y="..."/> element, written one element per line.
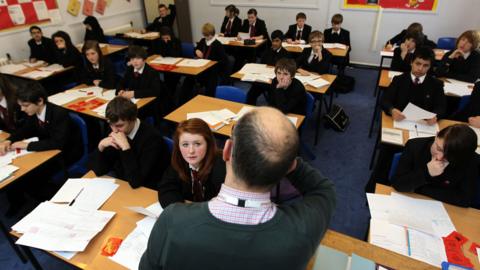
<point x="342" y="157"/>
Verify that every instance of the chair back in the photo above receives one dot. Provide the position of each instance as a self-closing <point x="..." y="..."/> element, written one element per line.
<point x="187" y="50"/>
<point x="231" y="93"/>
<point x="446" y="43"/>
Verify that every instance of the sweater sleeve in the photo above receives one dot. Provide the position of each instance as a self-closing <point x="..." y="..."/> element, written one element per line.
<point x="409" y="175"/>
<point x="389" y="95"/>
<point x="315" y="210"/>
<point x="170" y="188"/>
<point x="152" y="87"/>
<point x="58" y="131"/>
<point x="102" y="162"/>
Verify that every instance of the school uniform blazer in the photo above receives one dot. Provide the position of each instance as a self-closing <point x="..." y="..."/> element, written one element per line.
<point x="399" y="64"/>
<point x="168" y="20"/>
<point x="260" y="28"/>
<point x="14" y="118"/>
<point x="343" y="38"/>
<point x="270" y="56"/>
<point x="321" y="67"/>
<point x="467" y="70"/>
<point x="57" y="132"/>
<point x="235" y="28"/>
<point x="292" y="32"/>
<point x="142" y="165"/>
<point x="105" y="73"/>
<point x="172" y="189"/>
<point x="456" y="185"/>
<point x="214" y="52"/>
<point x="400" y="37"/>
<point x="147" y="84"/>
<point x="473" y="107"/>
<point x="290" y="100"/>
<point x="173" y="48"/>
<point x="429" y="95"/>
<point x="69" y="57"/>
<point x="44" y="51"/>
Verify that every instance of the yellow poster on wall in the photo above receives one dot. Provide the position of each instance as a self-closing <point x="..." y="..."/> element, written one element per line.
<point x="73" y="7"/>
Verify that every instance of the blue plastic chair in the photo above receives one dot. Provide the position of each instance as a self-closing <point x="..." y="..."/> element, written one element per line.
<point x="464" y="100"/>
<point x="187" y="50"/>
<point x="68" y="86"/>
<point x="446" y="43"/>
<point x="231" y="93"/>
<point x="310" y="106"/>
<point x="116" y="41"/>
<point x="169" y="143"/>
<point x="80" y="167"/>
<point x="393" y="168"/>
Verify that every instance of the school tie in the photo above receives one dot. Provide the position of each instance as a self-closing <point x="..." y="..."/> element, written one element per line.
<point x="41" y="123"/>
<point x="299" y="35"/>
<point x="197" y="187"/>
<point x="416" y="81"/>
<point x="229" y="27"/>
<point x="252" y="30"/>
<point x="136" y="74"/>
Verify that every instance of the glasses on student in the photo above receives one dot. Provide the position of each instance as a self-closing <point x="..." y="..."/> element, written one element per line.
<point x="316" y="40"/>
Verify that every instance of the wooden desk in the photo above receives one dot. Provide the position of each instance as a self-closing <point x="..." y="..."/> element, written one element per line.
<point x="292" y="48"/>
<point x="140" y="104"/>
<point x="387" y="122"/>
<point x="202" y="103"/>
<point x="466" y="221"/>
<point x="190" y="71"/>
<point x="388" y="53"/>
<point x="3" y="136"/>
<point x="239" y="43"/>
<point x="106" y="48"/>
<point x="21" y="73"/>
<point x="150" y="38"/>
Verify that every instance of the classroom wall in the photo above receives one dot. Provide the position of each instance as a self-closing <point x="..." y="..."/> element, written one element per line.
<point x="120" y="12"/>
<point x="451" y="19"/>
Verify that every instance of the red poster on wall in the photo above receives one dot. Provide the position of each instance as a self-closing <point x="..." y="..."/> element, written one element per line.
<point x="413" y="5"/>
<point x="15" y="13"/>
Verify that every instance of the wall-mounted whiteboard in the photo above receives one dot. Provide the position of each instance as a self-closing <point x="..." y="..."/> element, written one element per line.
<point x="268" y="3"/>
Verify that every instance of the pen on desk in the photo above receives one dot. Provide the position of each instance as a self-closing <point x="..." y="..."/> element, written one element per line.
<point x="416" y="129"/>
<point x="408" y="242"/>
<point x="73" y="201"/>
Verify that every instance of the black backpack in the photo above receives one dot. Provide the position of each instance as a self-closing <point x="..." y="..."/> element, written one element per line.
<point x="337" y="118"/>
<point x="343" y="84"/>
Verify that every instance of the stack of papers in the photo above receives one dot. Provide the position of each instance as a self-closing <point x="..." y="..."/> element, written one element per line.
<point x="457" y="88"/>
<point x="165" y="60"/>
<point x="393" y="136"/>
<point x="6" y="169"/>
<point x="135" y="244"/>
<point x="334" y="46"/>
<point x="37" y="74"/>
<point x="412" y="227"/>
<point x="249" y="77"/>
<point x="57" y="227"/>
<point x="392" y="74"/>
<point x="318" y="83"/>
<point x="302" y="46"/>
<point x="52" y="68"/>
<point x="243" y="35"/>
<point x="213" y="117"/>
<point x="11" y="68"/>
<point x="71" y="95"/>
<point x="193" y="62"/>
<point x="257" y="72"/>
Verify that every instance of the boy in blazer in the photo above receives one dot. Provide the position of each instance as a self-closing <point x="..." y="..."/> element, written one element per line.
<point x="255" y="27"/>
<point x="134" y="151"/>
<point x="402" y="56"/>
<point x="316" y="58"/>
<point x="337" y="34"/>
<point x="165" y="19"/>
<point x="412" y="28"/>
<point x="298" y="33"/>
<point x="41" y="48"/>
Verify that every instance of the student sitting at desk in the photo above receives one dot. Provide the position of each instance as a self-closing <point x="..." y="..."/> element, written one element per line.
<point x="41" y="48"/>
<point x="140" y="80"/>
<point x="298" y="33"/>
<point x="93" y="30"/>
<point x="337" y="34"/>
<point x="165" y="19"/>
<point x="66" y="53"/>
<point x="412" y="28"/>
<point x="207" y="48"/>
<point x="255" y="27"/>
<point x="471" y="112"/>
<point x="97" y="69"/>
<point x="9" y="109"/>
<point x="402" y="56"/>
<point x="444" y="167"/>
<point x="134" y="151"/>
<point x="269" y="57"/>
<point x="416" y="87"/>
<point x="463" y="63"/>
<point x="316" y="58"/>
<point x="287" y="93"/>
<point x="231" y="24"/>
<point x="197" y="170"/>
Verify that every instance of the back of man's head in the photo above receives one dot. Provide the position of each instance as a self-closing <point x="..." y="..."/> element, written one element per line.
<point x="265" y="144"/>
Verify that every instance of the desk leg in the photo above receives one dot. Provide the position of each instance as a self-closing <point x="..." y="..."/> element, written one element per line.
<point x="36" y="265"/>
<point x="319" y="117"/>
<point x="378" y="78"/>
<point x="12" y="244"/>
<point x="374" y="116"/>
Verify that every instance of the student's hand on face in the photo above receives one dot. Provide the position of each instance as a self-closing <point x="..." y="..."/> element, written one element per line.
<point x="404" y="47"/>
<point x="120" y="139"/>
<point x="397" y="115"/>
<point x="4" y="147"/>
<point x="474" y="121"/>
<point x="303" y="72"/>
<point x="284" y="83"/>
<point x="431" y="121"/>
<point x="199" y="53"/>
<point x="457" y="53"/>
<point x="96" y="82"/>
<point x="126" y="94"/>
<point x="106" y="142"/>
<point x="19" y="145"/>
<point x="436" y="167"/>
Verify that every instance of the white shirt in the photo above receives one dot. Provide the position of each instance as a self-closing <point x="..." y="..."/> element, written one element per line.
<point x="209" y="42"/>
<point x="140" y="71"/>
<point x="97" y="66"/>
<point x="338" y="32"/>
<point x="466" y="55"/>
<point x="42" y="114"/>
<point x="310" y="58"/>
<point x="132" y="133"/>
<point x="3" y="103"/>
<point x="420" y="79"/>
<point x="38" y="42"/>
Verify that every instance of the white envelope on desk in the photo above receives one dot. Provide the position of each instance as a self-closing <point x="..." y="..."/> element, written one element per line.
<point x="414" y="113"/>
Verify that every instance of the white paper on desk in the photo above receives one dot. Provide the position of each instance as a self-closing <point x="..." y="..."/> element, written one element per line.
<point x="413" y="113"/>
<point x="63" y="98"/>
<point x="131" y="250"/>
<point x="427" y="248"/>
<point x="457" y="89"/>
<point x="393" y="136"/>
<point x="11" y="68"/>
<point x="146" y="224"/>
<point x="36" y="63"/>
<point x="379" y="206"/>
<point x="306" y="79"/>
<point x="69" y="191"/>
<point x="392" y="74"/>
<point x="41" y="10"/>
<point x="334" y="46"/>
<point x="37" y="74"/>
<point x="108" y="94"/>
<point x="243" y="35"/>
<point x="142" y="210"/>
<point x="166" y="60"/>
<point x="65" y="254"/>
<point x="243" y="111"/>
<point x="52" y="67"/>
<point x="213" y="117"/>
<point x="95" y="193"/>
<point x="302" y="46"/>
<point x="388" y="236"/>
<point x="293" y="120"/>
<point x="225" y="40"/>
<point x="6" y="171"/>
<point x="101" y="110"/>
<point x="318" y="83"/>
<point x="413" y="135"/>
<point x="419" y="126"/>
<point x="248" y="77"/>
<point x="193" y="62"/>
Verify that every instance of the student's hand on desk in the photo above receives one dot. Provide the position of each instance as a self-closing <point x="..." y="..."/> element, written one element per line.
<point x="303" y="72"/>
<point x="397" y="115"/>
<point x="96" y="82"/>
<point x="436" y="167"/>
<point x="106" y="142"/>
<point x="289" y="40"/>
<point x="199" y="54"/>
<point x="19" y="145"/>
<point x="120" y="139"/>
<point x="5" y="147"/>
<point x="474" y="121"/>
<point x="431" y="121"/>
